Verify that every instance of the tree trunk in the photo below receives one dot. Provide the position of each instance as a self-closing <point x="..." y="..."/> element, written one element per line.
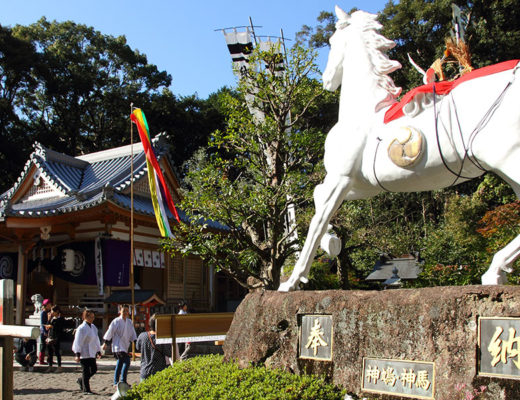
<point x="344" y="265"/>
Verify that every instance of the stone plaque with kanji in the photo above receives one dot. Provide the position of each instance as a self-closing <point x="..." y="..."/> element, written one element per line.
<point x="499" y="347"/>
<point x="316" y="337"/>
<point x="415" y="379"/>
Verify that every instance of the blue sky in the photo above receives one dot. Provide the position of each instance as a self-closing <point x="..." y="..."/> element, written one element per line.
<point x="179" y="35"/>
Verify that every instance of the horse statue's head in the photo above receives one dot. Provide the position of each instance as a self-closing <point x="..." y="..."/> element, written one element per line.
<point x="360" y="31"/>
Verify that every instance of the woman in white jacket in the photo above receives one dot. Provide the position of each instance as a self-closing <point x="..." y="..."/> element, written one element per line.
<point x="86" y="347"/>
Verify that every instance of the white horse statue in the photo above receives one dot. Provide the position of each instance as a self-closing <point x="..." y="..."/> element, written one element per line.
<point x="443" y="136"/>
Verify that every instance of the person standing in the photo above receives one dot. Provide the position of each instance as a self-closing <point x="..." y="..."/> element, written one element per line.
<point x="55" y="334"/>
<point x="153" y="355"/>
<point x="44" y="320"/>
<point x="183" y="309"/>
<point x="121" y="333"/>
<point x="86" y="348"/>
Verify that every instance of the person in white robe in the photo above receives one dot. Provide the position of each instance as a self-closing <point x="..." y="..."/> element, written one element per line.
<point x="121" y="333"/>
<point x="86" y="348"/>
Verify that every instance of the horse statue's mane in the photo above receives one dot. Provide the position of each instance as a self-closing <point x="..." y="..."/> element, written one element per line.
<point x="376" y="46"/>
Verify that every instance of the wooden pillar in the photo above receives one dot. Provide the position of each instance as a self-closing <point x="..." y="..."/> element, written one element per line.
<point x="166" y="277"/>
<point x="211" y="287"/>
<point x="6" y="342"/>
<point x="21" y="286"/>
<point x="174" y="337"/>
<point x="184" y="275"/>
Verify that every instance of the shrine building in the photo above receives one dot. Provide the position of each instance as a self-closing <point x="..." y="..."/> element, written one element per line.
<point x="65" y="234"/>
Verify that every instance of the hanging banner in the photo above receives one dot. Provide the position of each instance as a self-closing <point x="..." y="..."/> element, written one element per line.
<point x="159" y="191"/>
<point x="240" y="47"/>
<point x="275" y="47"/>
<point x="103" y="262"/>
<point x="73" y="262"/>
<point x="116" y="262"/>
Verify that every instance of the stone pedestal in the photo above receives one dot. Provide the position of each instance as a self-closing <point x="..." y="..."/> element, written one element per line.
<point x="33" y="320"/>
<point x="435" y="325"/>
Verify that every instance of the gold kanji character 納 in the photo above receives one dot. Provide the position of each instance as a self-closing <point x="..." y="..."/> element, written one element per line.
<point x="501" y="350"/>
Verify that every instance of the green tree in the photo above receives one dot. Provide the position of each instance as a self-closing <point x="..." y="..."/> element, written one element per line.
<point x="70" y="87"/>
<point x="86" y="83"/>
<point x="188" y="120"/>
<point x="419" y="27"/>
<point x="18" y="62"/>
<point x="262" y="162"/>
<point x="318" y="36"/>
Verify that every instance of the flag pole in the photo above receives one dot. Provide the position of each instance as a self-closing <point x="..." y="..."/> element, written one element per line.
<point x="132" y="284"/>
<point x="253" y="30"/>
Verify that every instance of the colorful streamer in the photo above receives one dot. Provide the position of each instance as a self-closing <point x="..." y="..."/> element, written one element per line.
<point x="158" y="188"/>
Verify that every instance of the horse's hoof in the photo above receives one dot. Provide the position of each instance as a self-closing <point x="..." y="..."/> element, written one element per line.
<point x="507" y="268"/>
<point x="490" y="280"/>
<point x="286" y="287"/>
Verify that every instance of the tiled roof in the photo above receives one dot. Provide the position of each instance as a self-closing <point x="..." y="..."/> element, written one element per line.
<point x="407" y="268"/>
<point x="144" y="206"/>
<point x="83" y="181"/>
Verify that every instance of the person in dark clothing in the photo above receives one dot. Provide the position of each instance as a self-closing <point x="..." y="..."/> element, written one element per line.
<point x="55" y="329"/>
<point x="44" y="320"/>
<point x="153" y="355"/>
<point x="25" y="354"/>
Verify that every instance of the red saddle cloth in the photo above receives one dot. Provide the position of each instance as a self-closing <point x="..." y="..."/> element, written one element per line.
<point x="396" y="110"/>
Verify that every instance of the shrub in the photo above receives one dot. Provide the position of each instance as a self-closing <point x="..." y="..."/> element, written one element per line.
<point x="209" y="377"/>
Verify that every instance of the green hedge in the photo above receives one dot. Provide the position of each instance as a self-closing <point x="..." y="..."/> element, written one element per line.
<point x="208" y="377"/>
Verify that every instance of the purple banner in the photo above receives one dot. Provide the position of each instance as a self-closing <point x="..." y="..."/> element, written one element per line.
<point x="116" y="262"/>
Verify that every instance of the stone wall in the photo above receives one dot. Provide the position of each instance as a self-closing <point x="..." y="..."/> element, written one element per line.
<point x="437" y="325"/>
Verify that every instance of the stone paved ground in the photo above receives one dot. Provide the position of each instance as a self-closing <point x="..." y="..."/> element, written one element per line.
<point x="40" y="385"/>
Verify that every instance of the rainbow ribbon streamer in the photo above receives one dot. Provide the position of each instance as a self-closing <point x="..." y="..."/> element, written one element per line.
<point x="158" y="189"/>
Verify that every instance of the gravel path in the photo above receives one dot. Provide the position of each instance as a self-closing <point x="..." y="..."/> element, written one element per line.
<point x="41" y="385"/>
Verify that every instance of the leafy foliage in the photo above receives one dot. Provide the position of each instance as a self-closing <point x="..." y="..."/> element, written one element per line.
<point x="86" y="83"/>
<point x="254" y="169"/>
<point x="70" y="87"/>
<point x="18" y="61"/>
<point x="420" y="27"/>
<point x="208" y="377"/>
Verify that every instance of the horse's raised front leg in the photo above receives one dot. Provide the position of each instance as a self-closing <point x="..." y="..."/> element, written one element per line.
<point x="328" y="196"/>
<point x="502" y="261"/>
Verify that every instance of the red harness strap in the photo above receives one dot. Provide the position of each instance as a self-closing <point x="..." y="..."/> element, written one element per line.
<point x="396" y="110"/>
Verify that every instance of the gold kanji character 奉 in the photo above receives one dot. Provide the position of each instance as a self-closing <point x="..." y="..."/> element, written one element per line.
<point x="315" y="337"/>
